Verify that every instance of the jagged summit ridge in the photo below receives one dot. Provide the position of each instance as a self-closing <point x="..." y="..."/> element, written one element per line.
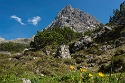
<point x="74" y="18"/>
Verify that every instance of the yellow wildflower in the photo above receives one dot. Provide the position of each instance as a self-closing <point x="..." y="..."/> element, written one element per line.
<point x="101" y="74"/>
<point x="82" y="70"/>
<point x="72" y="67"/>
<point x="90" y="75"/>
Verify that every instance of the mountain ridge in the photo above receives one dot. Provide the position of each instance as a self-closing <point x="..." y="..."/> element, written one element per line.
<point x="74" y="18"/>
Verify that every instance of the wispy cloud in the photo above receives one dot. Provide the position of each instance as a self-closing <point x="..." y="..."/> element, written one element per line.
<point x="34" y="20"/>
<point x="17" y="19"/>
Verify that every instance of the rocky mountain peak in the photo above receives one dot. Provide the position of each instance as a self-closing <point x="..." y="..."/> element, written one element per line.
<point x="74" y="18"/>
<point x="68" y="7"/>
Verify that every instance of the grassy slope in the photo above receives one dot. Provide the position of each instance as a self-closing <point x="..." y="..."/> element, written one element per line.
<point x="14" y="68"/>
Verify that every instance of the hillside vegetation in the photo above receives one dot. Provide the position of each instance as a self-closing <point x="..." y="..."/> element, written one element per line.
<point x="13" y="47"/>
<point x="54" y="36"/>
<point x="98" y="56"/>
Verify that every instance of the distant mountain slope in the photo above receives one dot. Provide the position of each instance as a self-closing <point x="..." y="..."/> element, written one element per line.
<point x="18" y="40"/>
<point x="75" y="19"/>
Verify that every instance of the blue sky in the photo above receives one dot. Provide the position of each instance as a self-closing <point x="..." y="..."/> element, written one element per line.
<point x="23" y="18"/>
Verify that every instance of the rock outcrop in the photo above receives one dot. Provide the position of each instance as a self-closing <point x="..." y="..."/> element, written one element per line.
<point x="24" y="80"/>
<point x="83" y="43"/>
<point x="63" y="52"/>
<point x="75" y="19"/>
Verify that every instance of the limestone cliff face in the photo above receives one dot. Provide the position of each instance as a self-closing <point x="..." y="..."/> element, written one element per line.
<point x="75" y="19"/>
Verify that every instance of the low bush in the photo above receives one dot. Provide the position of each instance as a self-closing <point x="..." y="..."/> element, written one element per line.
<point x="54" y="36"/>
<point x="13" y="47"/>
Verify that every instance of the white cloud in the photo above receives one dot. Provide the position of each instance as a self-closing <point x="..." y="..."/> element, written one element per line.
<point x="2" y="39"/>
<point x="17" y="19"/>
<point x="34" y="20"/>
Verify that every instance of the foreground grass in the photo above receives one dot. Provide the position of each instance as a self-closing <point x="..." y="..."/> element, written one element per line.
<point x="74" y="76"/>
<point x="40" y="68"/>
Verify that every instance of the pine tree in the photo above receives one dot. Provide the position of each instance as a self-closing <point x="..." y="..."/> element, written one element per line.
<point x="118" y="17"/>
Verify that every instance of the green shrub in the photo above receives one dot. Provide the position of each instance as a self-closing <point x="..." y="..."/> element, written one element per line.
<point x="118" y="17"/>
<point x="13" y="47"/>
<point x="54" y="36"/>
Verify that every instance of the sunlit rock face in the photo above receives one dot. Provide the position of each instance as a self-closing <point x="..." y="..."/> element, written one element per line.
<point x="74" y="18"/>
